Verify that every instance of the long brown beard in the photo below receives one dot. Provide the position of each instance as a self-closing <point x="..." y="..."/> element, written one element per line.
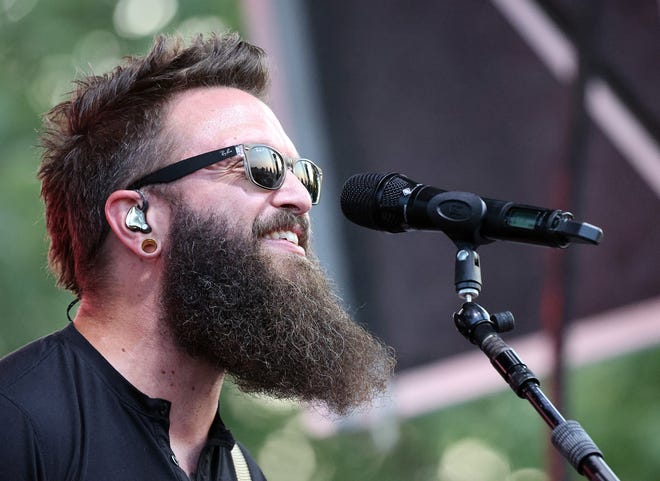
<point x="280" y="332"/>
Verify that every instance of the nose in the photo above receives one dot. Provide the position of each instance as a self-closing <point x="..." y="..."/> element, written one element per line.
<point x="292" y="195"/>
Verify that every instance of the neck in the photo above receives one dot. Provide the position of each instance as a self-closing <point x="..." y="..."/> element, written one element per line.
<point x="145" y="354"/>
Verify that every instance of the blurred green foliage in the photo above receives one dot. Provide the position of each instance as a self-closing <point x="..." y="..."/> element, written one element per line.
<point x="43" y="45"/>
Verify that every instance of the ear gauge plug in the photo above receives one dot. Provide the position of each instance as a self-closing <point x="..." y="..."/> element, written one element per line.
<point x="136" y="218"/>
<point x="149" y="246"/>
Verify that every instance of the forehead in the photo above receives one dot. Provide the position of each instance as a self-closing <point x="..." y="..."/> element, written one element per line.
<point x="210" y="118"/>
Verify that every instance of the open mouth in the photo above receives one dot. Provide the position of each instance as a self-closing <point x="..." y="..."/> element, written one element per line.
<point x="283" y="234"/>
<point x="284" y="229"/>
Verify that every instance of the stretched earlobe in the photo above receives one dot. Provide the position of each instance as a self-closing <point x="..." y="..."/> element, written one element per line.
<point x="149" y="246"/>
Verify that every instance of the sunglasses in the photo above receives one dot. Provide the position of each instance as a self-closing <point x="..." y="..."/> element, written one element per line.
<point x="264" y="166"/>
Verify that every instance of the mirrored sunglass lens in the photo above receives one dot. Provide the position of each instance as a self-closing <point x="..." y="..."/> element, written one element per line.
<point x="266" y="167"/>
<point x="309" y="176"/>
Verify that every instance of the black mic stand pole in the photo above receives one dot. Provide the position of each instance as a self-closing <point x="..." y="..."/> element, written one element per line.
<point x="481" y="328"/>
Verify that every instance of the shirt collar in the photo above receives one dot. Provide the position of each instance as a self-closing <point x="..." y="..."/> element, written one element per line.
<point x="153" y="407"/>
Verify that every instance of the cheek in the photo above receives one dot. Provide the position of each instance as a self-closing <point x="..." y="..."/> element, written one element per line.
<point x="240" y="202"/>
<point x="242" y="216"/>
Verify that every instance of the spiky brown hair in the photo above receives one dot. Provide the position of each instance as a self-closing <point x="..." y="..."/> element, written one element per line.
<point x="108" y="133"/>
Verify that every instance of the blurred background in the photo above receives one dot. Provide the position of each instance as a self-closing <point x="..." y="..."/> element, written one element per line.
<point x="552" y="103"/>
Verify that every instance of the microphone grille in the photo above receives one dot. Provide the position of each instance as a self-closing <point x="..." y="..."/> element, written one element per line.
<point x="393" y="188"/>
<point x="390" y="218"/>
<point x="358" y="196"/>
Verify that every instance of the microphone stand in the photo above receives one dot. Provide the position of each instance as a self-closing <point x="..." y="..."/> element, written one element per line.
<point x="482" y="329"/>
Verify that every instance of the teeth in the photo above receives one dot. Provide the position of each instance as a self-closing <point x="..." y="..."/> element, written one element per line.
<point x="287" y="235"/>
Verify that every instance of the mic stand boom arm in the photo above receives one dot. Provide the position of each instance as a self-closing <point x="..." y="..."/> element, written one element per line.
<point x="482" y="329"/>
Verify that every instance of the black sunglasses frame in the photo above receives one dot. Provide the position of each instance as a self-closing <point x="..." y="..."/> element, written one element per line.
<point x="184" y="167"/>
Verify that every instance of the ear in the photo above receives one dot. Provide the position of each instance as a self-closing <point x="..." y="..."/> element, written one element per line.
<point x="134" y="222"/>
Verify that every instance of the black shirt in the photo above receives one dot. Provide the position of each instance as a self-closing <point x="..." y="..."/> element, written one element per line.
<point x="67" y="415"/>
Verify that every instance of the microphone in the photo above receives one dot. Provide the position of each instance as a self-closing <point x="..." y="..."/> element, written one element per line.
<point x="394" y="203"/>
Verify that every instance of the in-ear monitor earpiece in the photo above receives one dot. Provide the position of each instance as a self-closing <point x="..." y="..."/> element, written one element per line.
<point x="136" y="219"/>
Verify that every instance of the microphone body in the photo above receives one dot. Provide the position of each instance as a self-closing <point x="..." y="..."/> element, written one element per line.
<point x="395" y="203"/>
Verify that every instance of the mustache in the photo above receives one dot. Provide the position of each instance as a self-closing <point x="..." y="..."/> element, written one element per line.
<point x="284" y="220"/>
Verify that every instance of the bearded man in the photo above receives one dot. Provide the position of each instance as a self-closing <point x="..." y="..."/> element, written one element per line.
<point x="178" y="213"/>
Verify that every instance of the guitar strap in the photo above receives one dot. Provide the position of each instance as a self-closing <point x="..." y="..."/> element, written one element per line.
<point x="240" y="465"/>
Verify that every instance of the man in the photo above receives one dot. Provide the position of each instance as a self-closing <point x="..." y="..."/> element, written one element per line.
<point x="178" y="213"/>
